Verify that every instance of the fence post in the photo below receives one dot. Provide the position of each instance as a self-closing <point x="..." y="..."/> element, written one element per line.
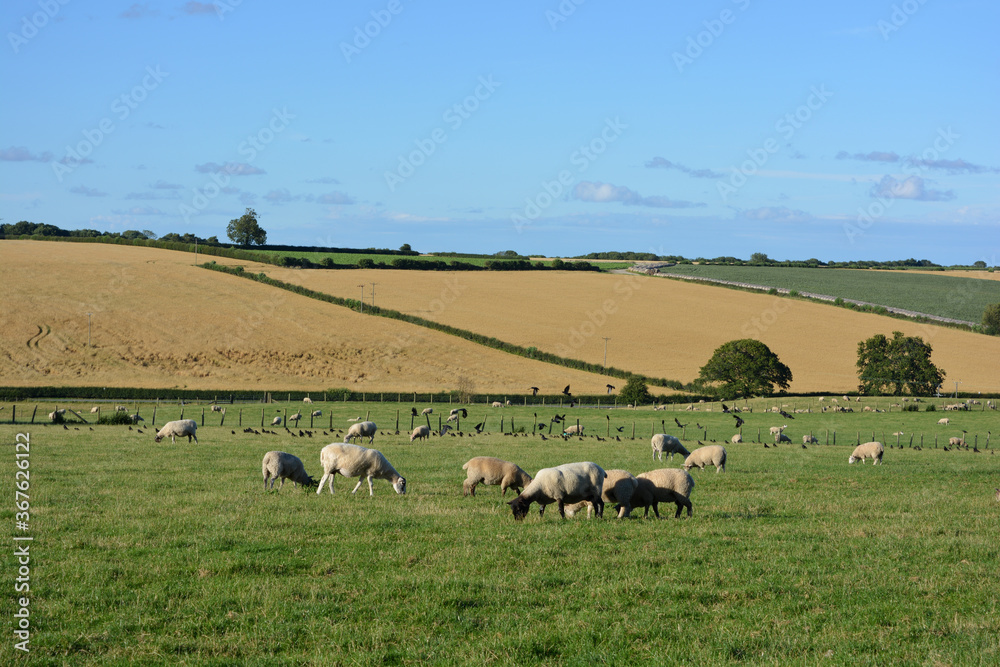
<point x="33" y="414"/>
<point x="223" y="420"/>
<point x="203" y="416"/>
<point x="633" y="430"/>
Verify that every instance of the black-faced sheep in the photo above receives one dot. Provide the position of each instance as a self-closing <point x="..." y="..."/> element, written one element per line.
<point x="667" y="485"/>
<point x="282" y="465"/>
<point x="360" y="462"/>
<point x="492" y="471"/>
<point x="565" y="484"/>
<point x="869" y="450"/>
<point x="708" y="455"/>
<point x="361" y="430"/>
<point x="179" y="429"/>
<point x="667" y="444"/>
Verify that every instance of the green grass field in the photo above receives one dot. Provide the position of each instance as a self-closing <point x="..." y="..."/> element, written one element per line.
<point x="354" y="258"/>
<point x="946" y="296"/>
<point x="173" y="553"/>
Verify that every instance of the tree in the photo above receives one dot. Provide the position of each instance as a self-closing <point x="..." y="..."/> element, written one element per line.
<point x="405" y="248"/>
<point x="759" y="258"/>
<point x="745" y="368"/>
<point x="897" y="366"/>
<point x="991" y="319"/>
<point x="635" y="391"/>
<point x="980" y="264"/>
<point x="245" y="230"/>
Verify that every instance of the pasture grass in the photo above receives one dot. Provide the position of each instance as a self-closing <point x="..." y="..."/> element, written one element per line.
<point x="159" y="553"/>
<point x="934" y="294"/>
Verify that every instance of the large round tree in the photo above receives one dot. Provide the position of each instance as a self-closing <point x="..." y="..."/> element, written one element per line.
<point x="901" y="365"/>
<point x="245" y="230"/>
<point x="745" y="368"/>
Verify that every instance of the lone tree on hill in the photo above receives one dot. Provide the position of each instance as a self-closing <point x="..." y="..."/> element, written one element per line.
<point x="635" y="392"/>
<point x="745" y="368"/>
<point x="991" y="319"/>
<point x="244" y="230"/>
<point x="897" y="366"/>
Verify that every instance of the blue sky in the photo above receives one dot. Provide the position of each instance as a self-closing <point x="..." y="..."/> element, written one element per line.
<point x="851" y="130"/>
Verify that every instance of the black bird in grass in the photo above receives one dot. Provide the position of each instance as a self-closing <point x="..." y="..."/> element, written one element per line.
<point x="765" y="446"/>
<point x="676" y="421"/>
<point x="479" y="427"/>
<point x="699" y="426"/>
<point x="543" y="437"/>
<point x="739" y="422"/>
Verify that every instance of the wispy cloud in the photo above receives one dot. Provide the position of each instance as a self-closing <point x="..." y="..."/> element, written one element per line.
<point x="199" y="8"/>
<point x="958" y="166"/>
<point x="874" y="156"/>
<point x="775" y="214"/>
<point x="87" y="192"/>
<point x="138" y="11"/>
<point x="22" y="154"/>
<point x="231" y="168"/>
<point x="335" y="198"/>
<point x="603" y="193"/>
<point x="163" y="185"/>
<point x="138" y="210"/>
<point x="324" y="180"/>
<point x="913" y="187"/>
<point x="153" y="195"/>
<point x="663" y="163"/>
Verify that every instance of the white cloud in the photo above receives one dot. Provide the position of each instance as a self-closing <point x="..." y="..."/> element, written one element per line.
<point x="603" y="193"/>
<point x="910" y="188"/>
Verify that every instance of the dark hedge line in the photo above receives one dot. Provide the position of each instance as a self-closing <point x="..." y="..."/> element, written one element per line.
<point x="128" y="394"/>
<point x="480" y="339"/>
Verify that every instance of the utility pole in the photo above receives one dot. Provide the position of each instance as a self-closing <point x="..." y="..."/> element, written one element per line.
<point x="362" y="286"/>
<point x="373" y="294"/>
<point x="606" y="339"/>
<point x="88" y="329"/>
<point x="957" y="382"/>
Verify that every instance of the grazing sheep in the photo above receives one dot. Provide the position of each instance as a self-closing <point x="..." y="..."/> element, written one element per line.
<point x="492" y="471"/>
<point x="276" y="421"/>
<point x="736" y="439"/>
<point x="317" y="413"/>
<point x="956" y="442"/>
<point x="361" y="430"/>
<point x="568" y="483"/>
<point x="809" y="440"/>
<point x="295" y="418"/>
<point x="136" y="418"/>
<point x="282" y="465"/>
<point x="216" y="408"/>
<point x="573" y="430"/>
<point x="426" y="411"/>
<point x="869" y="450"/>
<point x="96" y="408"/>
<point x="944" y="421"/>
<point x="307" y="400"/>
<point x="178" y="428"/>
<point x="667" y="444"/>
<point x="497" y="404"/>
<point x="666" y="485"/>
<point x="781" y="437"/>
<point x="360" y="462"/>
<point x="419" y="433"/>
<point x="775" y="430"/>
<point x="121" y="408"/>
<point x="708" y="455"/>
<point x="619" y="487"/>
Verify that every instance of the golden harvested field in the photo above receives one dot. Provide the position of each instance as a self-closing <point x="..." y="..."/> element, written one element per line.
<point x="658" y="327"/>
<point x="158" y="321"/>
<point x="982" y="275"/>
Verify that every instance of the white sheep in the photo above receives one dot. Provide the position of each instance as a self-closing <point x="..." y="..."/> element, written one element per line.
<point x="317" y="413"/>
<point x="360" y="462"/>
<point x="736" y="439"/>
<point x="666" y="485"/>
<point x="276" y="421"/>
<point x="282" y="465"/>
<point x="956" y="442"/>
<point x="575" y="429"/>
<point x="944" y="421"/>
<point x="96" y="408"/>
<point x="619" y="487"/>
<point x="216" y="408"/>
<point x="568" y="483"/>
<point x="136" y="418"/>
<point x="497" y="404"/>
<point x="307" y="400"/>
<point x="708" y="455"/>
<point x="667" y="444"/>
<point x="492" y="471"/>
<point x="295" y="418"/>
<point x="775" y="430"/>
<point x="869" y="450"/>
<point x="179" y="428"/>
<point x="361" y="430"/>
<point x="420" y="433"/>
<point x="809" y="440"/>
<point x="426" y="411"/>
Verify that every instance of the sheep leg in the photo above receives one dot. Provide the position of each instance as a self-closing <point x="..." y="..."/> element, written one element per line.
<point x="358" y="485"/>
<point x="322" y="481"/>
<point x="599" y="507"/>
<point x="371" y="489"/>
<point x="562" y="509"/>
<point x="656" y="510"/>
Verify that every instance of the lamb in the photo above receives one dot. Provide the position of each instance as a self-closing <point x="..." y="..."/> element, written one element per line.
<point x="419" y="433"/>
<point x="619" y="487"/>
<point x="708" y="455"/>
<point x="869" y="450"/>
<point x="575" y="429"/>
<point x="178" y="428"/>
<point x="284" y="466"/>
<point x="736" y="439"/>
<point x="809" y="440"/>
<point x="667" y="444"/>
<point x="492" y="471"/>
<point x="568" y="483"/>
<point x="666" y="485"/>
<point x="944" y="421"/>
<point x="354" y="460"/>
<point x="361" y="430"/>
